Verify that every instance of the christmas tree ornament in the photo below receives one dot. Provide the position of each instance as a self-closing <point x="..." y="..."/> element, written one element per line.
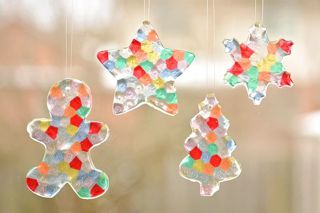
<point x="258" y="63"/>
<point x="209" y="161"/>
<point x="145" y="72"/>
<point x="68" y="138"/>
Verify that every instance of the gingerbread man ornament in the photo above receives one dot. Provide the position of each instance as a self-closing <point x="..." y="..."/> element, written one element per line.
<point x="68" y="138"/>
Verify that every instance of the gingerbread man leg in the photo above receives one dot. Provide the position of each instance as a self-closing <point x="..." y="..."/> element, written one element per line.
<point x="41" y="182"/>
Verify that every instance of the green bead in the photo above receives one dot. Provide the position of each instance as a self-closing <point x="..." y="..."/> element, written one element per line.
<point x="189" y="57"/>
<point x="84" y="192"/>
<point x="172" y="98"/>
<point x="147" y="65"/>
<point x="277" y="67"/>
<point x="161" y="93"/>
<point x="212" y="149"/>
<point x="253" y="72"/>
<point x="83" y="111"/>
<point x="166" y="53"/>
<point x="252" y="84"/>
<point x="232" y="80"/>
<point x="103" y="181"/>
<point x="187" y="162"/>
<point x="121" y="63"/>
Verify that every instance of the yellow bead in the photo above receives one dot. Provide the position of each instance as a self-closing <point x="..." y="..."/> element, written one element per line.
<point x="158" y="83"/>
<point x="63" y="167"/>
<point x="44" y="124"/>
<point x="198" y="165"/>
<point x="72" y="173"/>
<point x="71" y="130"/>
<point x="147" y="47"/>
<point x="153" y="57"/>
<point x="271" y="58"/>
<point x="132" y="61"/>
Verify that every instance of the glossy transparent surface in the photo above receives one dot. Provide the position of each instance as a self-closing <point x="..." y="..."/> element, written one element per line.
<point x="209" y="161"/>
<point x="258" y="63"/>
<point x="145" y="72"/>
<point x="68" y="138"/>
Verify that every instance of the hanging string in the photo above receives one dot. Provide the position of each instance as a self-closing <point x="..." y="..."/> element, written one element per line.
<point x="207" y="44"/>
<point x="146" y="9"/>
<point x="255" y="11"/>
<point x="214" y="42"/>
<point x="262" y="11"/>
<point x="71" y="37"/>
<point x="69" y="57"/>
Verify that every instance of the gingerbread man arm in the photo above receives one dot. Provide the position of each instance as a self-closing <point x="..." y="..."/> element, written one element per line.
<point x="42" y="131"/>
<point x="98" y="132"/>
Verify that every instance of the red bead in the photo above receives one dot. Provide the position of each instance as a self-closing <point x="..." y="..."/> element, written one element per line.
<point x="285" y="45"/>
<point x="215" y="160"/>
<point x="95" y="127"/>
<point x="76" y="103"/>
<point x="76" y="120"/>
<point x="76" y="163"/>
<point x="195" y="153"/>
<point x="286" y="79"/>
<point x="246" y="52"/>
<point x="86" y="145"/>
<point x="135" y="46"/>
<point x="236" y="69"/>
<point x="96" y="190"/>
<point x="138" y="72"/>
<point x="32" y="184"/>
<point x="52" y="132"/>
<point x="213" y="123"/>
<point x="103" y="56"/>
<point x="172" y="63"/>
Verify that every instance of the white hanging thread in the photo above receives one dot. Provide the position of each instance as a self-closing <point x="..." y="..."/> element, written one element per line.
<point x="207" y="44"/>
<point x="214" y="42"/>
<point x="68" y="68"/>
<point x="262" y="10"/>
<point x="146" y="9"/>
<point x="255" y="11"/>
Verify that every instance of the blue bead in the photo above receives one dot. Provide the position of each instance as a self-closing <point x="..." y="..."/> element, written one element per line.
<point x="205" y="157"/>
<point x="231" y="145"/>
<point x="141" y="36"/>
<point x="57" y="157"/>
<point x="93" y="174"/>
<point x="51" y="189"/>
<point x="121" y="86"/>
<point x="109" y="65"/>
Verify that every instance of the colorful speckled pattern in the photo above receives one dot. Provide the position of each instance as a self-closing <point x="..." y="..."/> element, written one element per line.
<point x="145" y="72"/>
<point x="68" y="138"/>
<point x="209" y="161"/>
<point x="258" y="63"/>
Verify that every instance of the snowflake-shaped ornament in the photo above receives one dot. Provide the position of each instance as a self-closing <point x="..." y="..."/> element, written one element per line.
<point x="145" y="72"/>
<point x="258" y="63"/>
<point x="209" y="161"/>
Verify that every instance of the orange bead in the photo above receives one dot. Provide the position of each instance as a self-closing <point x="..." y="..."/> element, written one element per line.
<point x="55" y="92"/>
<point x="43" y="168"/>
<point x="208" y="169"/>
<point x="76" y="147"/>
<point x="272" y="48"/>
<point x="172" y="108"/>
<point x="178" y="55"/>
<point x="216" y="112"/>
<point x="225" y="164"/>
<point x="264" y="76"/>
<point x="145" y="79"/>
<point x="211" y="137"/>
<point x="152" y="36"/>
<point x="83" y="90"/>
<point x="69" y="112"/>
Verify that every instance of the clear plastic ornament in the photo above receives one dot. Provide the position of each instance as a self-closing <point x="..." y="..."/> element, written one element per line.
<point x="68" y="137"/>
<point x="145" y="72"/>
<point x="209" y="161"/>
<point x="258" y="63"/>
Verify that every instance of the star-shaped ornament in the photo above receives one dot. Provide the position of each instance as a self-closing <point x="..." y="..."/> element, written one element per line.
<point x="258" y="63"/>
<point x="145" y="72"/>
